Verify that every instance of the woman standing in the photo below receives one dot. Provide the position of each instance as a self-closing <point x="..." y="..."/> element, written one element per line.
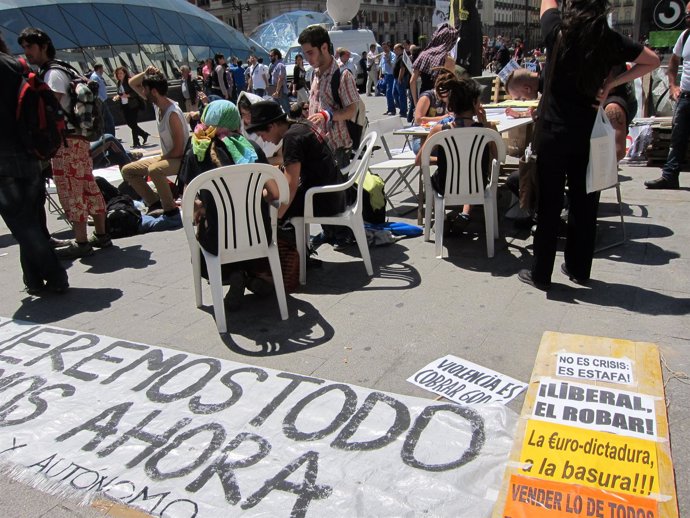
<point x="589" y="50"/>
<point x="130" y="103"/>
<point x="299" y="80"/>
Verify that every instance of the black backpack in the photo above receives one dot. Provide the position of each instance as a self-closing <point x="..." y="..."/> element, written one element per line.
<point x="40" y="118"/>
<point x="122" y="217"/>
<point x="354" y="128"/>
<point x="84" y="116"/>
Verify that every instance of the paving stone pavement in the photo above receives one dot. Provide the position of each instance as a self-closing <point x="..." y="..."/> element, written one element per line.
<point x="376" y="331"/>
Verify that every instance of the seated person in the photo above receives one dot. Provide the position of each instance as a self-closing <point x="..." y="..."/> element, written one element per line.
<point x="431" y="106"/>
<point x="463" y="103"/>
<point x="173" y="131"/>
<point x="272" y="151"/>
<point x="523" y="85"/>
<point x="216" y="142"/>
<point x="307" y="160"/>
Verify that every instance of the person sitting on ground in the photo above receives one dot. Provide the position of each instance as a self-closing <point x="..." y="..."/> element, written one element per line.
<point x="173" y="131"/>
<point x="307" y="160"/>
<point x="464" y="104"/>
<point x="109" y="150"/>
<point x="217" y="142"/>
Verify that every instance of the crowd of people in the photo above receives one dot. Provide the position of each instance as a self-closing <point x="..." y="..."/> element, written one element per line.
<point x="231" y="113"/>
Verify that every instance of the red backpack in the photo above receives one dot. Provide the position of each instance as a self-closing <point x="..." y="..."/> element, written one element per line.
<point x="40" y="119"/>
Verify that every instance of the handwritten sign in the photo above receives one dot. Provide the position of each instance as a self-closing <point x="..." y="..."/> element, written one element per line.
<point x="183" y="435"/>
<point x="466" y="383"/>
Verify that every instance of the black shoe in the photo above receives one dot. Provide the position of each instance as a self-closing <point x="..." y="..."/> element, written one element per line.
<point x="662" y="183"/>
<point x="233" y="299"/>
<point x="34" y="290"/>
<point x="146" y="138"/>
<point x="576" y="280"/>
<point x="59" y="243"/>
<point x="526" y="277"/>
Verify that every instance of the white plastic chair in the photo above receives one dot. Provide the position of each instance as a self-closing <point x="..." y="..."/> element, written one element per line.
<point x="237" y="192"/>
<point x="350" y="217"/>
<point x="463" y="148"/>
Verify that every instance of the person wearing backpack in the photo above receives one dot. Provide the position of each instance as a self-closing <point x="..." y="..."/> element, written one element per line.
<point x="324" y="111"/>
<point x="22" y="190"/>
<point x="72" y="167"/>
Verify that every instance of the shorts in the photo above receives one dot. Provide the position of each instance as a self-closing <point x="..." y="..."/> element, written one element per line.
<point x="73" y="176"/>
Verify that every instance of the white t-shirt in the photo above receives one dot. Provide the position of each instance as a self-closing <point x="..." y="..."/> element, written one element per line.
<point x="685" y="54"/>
<point x="58" y="81"/>
<point x="258" y="76"/>
<point x="164" y="130"/>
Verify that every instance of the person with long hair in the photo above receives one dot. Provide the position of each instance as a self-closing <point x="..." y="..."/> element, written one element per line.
<point x="589" y="50"/>
<point x="299" y="80"/>
<point x="130" y="103"/>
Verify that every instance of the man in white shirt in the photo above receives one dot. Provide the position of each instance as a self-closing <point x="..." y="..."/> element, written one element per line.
<point x="681" y="115"/>
<point x="346" y="61"/>
<point x="173" y="131"/>
<point x="259" y="77"/>
<point x="373" y="69"/>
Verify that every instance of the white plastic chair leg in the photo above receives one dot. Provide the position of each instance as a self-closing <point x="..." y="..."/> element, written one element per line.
<point x="196" y="276"/>
<point x="301" y="236"/>
<point x="489" y="211"/>
<point x="361" y="237"/>
<point x="439" y="220"/>
<point x="277" y="274"/>
<point x="428" y="205"/>
<point x="215" y="279"/>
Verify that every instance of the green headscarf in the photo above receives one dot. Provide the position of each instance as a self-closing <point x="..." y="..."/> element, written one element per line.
<point x="218" y="119"/>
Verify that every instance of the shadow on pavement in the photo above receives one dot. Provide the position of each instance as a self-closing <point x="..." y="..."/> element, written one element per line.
<point x="630" y="298"/>
<point x="51" y="307"/>
<point x="265" y="334"/>
<point x="114" y="259"/>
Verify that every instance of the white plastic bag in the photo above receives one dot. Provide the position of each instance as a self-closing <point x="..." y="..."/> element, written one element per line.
<point x="602" y="171"/>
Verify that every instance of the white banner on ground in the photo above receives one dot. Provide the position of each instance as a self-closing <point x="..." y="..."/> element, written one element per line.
<point x="596" y="408"/>
<point x="466" y="383"/>
<point x="595" y="368"/>
<point x="183" y="435"/>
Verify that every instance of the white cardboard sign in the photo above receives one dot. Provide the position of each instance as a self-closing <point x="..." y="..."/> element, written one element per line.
<point x="183" y="435"/>
<point x="466" y="383"/>
<point x="595" y="368"/>
<point x="596" y="408"/>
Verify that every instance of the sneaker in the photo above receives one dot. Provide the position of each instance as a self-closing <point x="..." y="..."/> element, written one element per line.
<point x="662" y="183"/>
<point x="145" y="139"/>
<point x="75" y="250"/>
<point x="100" y="240"/>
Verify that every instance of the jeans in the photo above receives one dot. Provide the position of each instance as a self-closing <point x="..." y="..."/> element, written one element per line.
<point x="108" y="150"/>
<point x="108" y="121"/>
<point x="400" y="93"/>
<point x="284" y="102"/>
<point x="21" y="206"/>
<point x="679" y="139"/>
<point x="389" y="80"/>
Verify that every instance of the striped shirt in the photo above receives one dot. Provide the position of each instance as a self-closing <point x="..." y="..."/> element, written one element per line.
<point x="321" y="97"/>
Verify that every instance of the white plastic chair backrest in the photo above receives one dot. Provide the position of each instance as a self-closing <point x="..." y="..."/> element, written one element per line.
<point x="384" y="127"/>
<point x="464" y="149"/>
<point x="359" y="166"/>
<point x="237" y="192"/>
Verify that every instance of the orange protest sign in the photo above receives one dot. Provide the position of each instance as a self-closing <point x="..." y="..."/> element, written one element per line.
<point x="532" y="498"/>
